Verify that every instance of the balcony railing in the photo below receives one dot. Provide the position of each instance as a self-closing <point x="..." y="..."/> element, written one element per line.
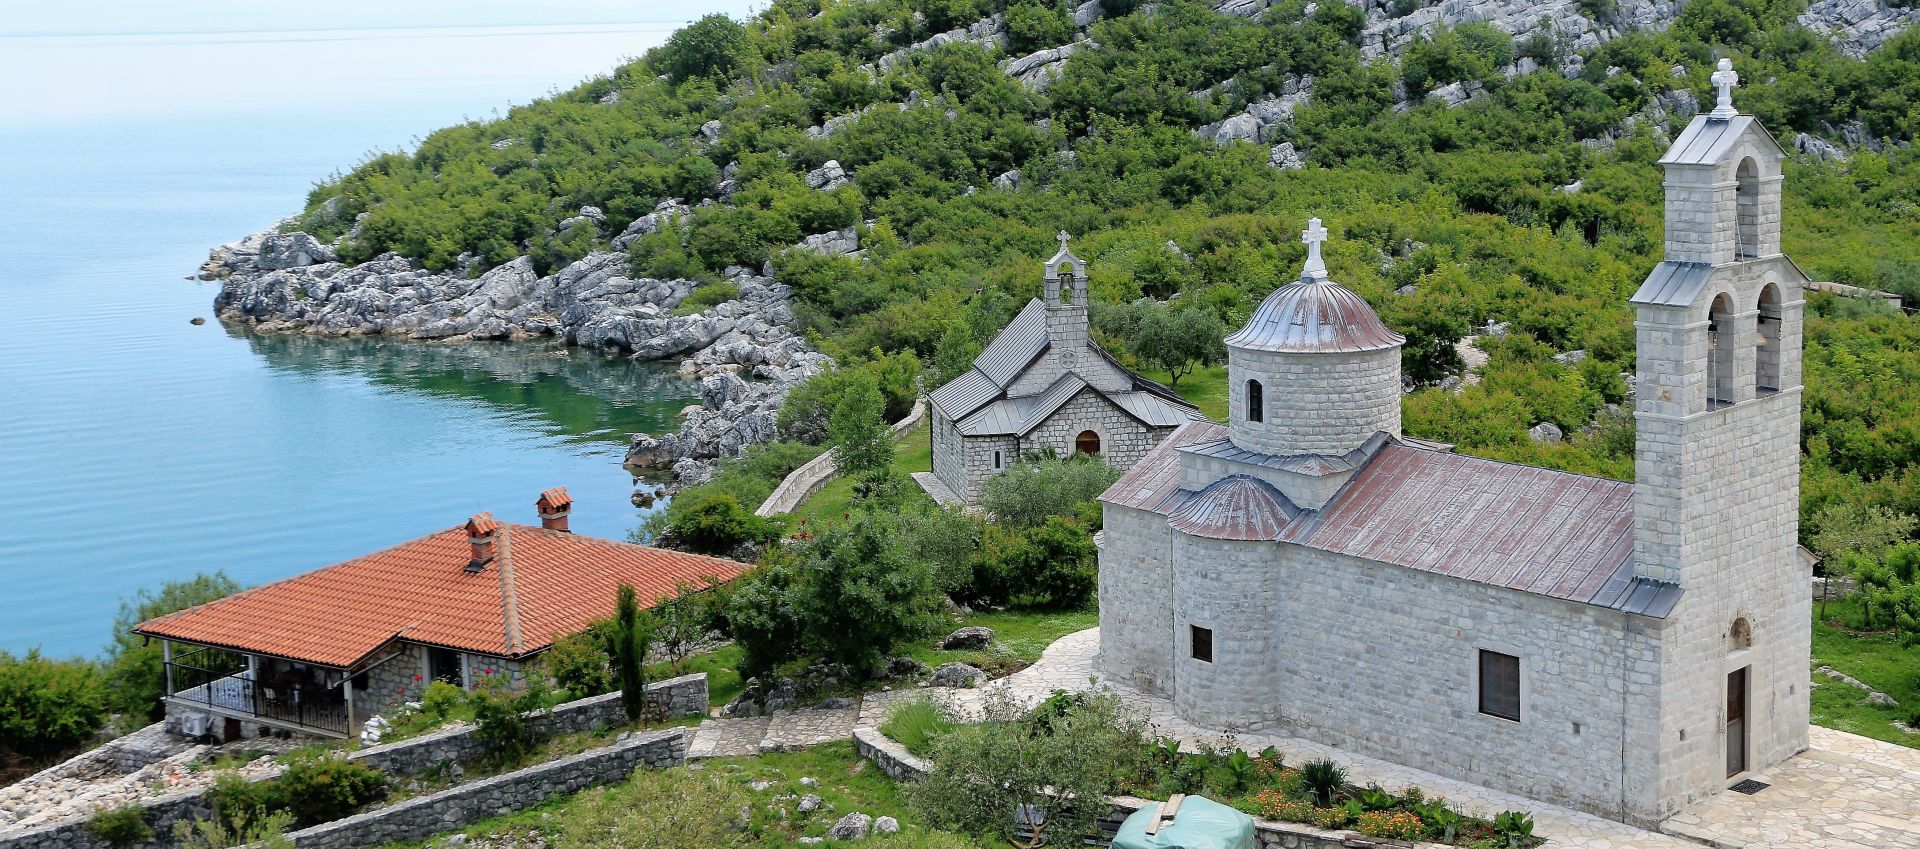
<point x="321" y="710"/>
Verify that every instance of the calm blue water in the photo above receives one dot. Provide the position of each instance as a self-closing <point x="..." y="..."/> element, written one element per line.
<point x="136" y="447"/>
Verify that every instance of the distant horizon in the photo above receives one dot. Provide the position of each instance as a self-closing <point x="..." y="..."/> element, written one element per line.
<point x="120" y="17"/>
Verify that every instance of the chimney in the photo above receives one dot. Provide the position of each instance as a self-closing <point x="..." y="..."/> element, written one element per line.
<point x="554" y="505"/>
<point x="482" y="532"/>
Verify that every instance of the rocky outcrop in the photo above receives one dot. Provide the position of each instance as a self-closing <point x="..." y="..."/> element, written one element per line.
<point x="1857" y="27"/>
<point x="1039" y="69"/>
<point x="1262" y="119"/>
<point x="593" y="302"/>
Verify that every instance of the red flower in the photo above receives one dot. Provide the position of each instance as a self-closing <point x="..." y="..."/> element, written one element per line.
<point x="489" y="670"/>
<point x="416" y="679"/>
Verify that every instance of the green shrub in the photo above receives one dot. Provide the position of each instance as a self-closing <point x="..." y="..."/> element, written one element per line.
<point x="708" y="296"/>
<point x="322" y="788"/>
<point x="441" y="699"/>
<point x="1514" y="828"/>
<point x="719" y="524"/>
<point x="1035" y="489"/>
<point x="916" y="723"/>
<point x="1323" y="778"/>
<point x="1034" y="25"/>
<point x="125" y="825"/>
<point x="253" y="830"/>
<point x="501" y="711"/>
<point x="48" y="706"/>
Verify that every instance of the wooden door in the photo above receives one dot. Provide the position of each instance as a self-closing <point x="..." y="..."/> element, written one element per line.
<point x="1736" y="722"/>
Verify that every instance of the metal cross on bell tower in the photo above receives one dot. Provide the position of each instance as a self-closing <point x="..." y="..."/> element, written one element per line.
<point x="1314" y="235"/>
<point x="1724" y="79"/>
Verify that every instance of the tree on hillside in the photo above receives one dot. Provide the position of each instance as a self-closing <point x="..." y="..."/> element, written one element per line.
<point x="862" y="443"/>
<point x="1034" y="490"/>
<point x="633" y="631"/>
<point x="136" y="678"/>
<point x="710" y="47"/>
<point x="1175" y="338"/>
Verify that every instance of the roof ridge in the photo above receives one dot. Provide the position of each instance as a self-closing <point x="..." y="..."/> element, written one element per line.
<point x="509" y="596"/>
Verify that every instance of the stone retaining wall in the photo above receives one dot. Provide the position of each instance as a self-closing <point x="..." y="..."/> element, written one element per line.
<point x="682" y="696"/>
<point x="469" y="803"/>
<point x="162" y="813"/>
<point x="896" y="761"/>
<point x="803" y="482"/>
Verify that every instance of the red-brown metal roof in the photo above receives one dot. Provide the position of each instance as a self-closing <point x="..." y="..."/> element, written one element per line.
<point x="1537" y="530"/>
<point x="1154" y="482"/>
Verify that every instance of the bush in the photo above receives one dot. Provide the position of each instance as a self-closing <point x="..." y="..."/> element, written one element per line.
<point x="708" y="296"/>
<point x="1008" y="762"/>
<point x="579" y="664"/>
<point x="1034" y="25"/>
<point x="719" y="524"/>
<point x="253" y="830"/>
<point x="441" y="700"/>
<point x="321" y="789"/>
<point x="501" y="714"/>
<point x="48" y="706"/>
<point x="1324" y="779"/>
<point x="916" y="723"/>
<point x="125" y="825"/>
<point x="1034" y="490"/>
<point x="1051" y="567"/>
<point x="710" y="47"/>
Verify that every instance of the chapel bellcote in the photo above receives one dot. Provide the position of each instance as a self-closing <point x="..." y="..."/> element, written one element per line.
<point x="1066" y="298"/>
<point x="1723" y="185"/>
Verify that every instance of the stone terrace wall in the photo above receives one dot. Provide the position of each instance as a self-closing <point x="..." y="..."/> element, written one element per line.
<point x="682" y="696"/>
<point x="803" y="482"/>
<point x="896" y="761"/>
<point x="501" y="794"/>
<point x="162" y="813"/>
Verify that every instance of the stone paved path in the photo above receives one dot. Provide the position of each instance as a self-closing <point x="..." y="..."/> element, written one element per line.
<point x="1846" y="792"/>
<point x="730" y="738"/>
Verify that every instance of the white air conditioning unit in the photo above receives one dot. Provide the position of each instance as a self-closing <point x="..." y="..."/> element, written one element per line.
<point x="196" y="724"/>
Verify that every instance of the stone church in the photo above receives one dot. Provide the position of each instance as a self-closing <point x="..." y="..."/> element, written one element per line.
<point x="1043" y="386"/>
<point x="1621" y="648"/>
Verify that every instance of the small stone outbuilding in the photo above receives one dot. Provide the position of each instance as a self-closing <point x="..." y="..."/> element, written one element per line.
<point x="1043" y="386"/>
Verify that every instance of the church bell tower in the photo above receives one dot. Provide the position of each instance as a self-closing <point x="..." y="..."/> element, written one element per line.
<point x="1717" y="459"/>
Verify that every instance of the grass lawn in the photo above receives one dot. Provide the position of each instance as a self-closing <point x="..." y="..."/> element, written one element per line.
<point x="912" y="453"/>
<point x="1876" y="659"/>
<point x="1206" y="388"/>
<point x="1024" y="636"/>
<point x="722" y="666"/>
<point x="713" y="804"/>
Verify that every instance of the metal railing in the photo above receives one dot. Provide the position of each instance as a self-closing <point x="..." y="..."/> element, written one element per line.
<point x="318" y="709"/>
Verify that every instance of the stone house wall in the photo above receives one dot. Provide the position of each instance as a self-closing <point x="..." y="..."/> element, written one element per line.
<point x="469" y="803"/>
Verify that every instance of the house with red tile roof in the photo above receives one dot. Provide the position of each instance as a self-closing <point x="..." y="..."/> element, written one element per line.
<point x="322" y="651"/>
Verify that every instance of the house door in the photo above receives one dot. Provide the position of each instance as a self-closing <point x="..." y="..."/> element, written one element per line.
<point x="1736" y="722"/>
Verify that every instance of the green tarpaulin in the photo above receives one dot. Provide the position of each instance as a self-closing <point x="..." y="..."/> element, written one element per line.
<point x="1200" y="824"/>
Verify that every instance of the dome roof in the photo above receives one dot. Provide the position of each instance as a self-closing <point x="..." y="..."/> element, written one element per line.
<point x="1238" y="507"/>
<point x="1314" y="316"/>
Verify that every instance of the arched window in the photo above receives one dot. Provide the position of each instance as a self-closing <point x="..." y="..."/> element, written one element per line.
<point x="1256" y="402"/>
<point x="1087" y="442"/>
<point x="1741" y="637"/>
<point x="1720" y="349"/>
<point x="1766" y="357"/>
<point x="1746" y="231"/>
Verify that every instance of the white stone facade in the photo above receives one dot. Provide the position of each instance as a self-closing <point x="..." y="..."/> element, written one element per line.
<point x="1624" y="712"/>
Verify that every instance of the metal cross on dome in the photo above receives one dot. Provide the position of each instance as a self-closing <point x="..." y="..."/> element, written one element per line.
<point x="1314" y="235"/>
<point x="1725" y="79"/>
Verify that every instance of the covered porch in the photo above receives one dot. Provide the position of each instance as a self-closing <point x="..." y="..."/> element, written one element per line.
<point x="252" y="688"/>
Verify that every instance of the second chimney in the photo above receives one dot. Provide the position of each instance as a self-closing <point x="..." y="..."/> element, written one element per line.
<point x="555" y="505"/>
<point x="482" y="532"/>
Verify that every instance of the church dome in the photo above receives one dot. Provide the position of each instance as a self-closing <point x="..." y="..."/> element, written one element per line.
<point x="1314" y="316"/>
<point x="1238" y="507"/>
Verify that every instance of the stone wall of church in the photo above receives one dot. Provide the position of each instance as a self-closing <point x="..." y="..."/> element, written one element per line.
<point x="1136" y="599"/>
<point x="1384" y="661"/>
<point x="1062" y="358"/>
<point x="1315" y="403"/>
<point x="982" y="457"/>
<point x="949" y="458"/>
<point x="1123" y="439"/>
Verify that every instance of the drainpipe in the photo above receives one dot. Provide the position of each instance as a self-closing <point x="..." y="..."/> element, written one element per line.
<point x="347" y="688"/>
<point x="166" y="660"/>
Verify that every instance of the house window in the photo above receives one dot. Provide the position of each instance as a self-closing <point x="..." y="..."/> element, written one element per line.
<point x="1500" y="685"/>
<point x="1256" y="402"/>
<point x="443" y="665"/>
<point x="1202" y="643"/>
<point x="1087" y="442"/>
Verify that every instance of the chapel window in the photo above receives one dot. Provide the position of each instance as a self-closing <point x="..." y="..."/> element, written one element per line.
<point x="1500" y="685"/>
<point x="1741" y="635"/>
<point x="1202" y="643"/>
<point x="1087" y="442"/>
<point x="1256" y="401"/>
<point x="996" y="459"/>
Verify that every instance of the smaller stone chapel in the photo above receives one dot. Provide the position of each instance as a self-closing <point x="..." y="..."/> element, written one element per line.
<point x="1043" y="386"/>
<point x="1622" y="648"/>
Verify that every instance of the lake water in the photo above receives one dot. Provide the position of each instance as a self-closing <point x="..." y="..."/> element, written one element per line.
<point x="136" y="447"/>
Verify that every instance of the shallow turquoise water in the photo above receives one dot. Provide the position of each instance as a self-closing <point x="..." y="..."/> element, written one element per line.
<point x="136" y="447"/>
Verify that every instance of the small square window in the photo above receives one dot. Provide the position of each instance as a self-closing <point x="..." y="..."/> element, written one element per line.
<point x="1202" y="643"/>
<point x="1500" y="685"/>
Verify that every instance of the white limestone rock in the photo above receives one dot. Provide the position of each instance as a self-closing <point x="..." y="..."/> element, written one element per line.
<point x="291" y="250"/>
<point x="1546" y="432"/>
<point x="664" y="214"/>
<point x="1286" y="158"/>
<point x="853" y="826"/>
<point x="827" y="177"/>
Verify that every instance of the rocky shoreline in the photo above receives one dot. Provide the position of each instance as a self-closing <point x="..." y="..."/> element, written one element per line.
<point x="743" y="350"/>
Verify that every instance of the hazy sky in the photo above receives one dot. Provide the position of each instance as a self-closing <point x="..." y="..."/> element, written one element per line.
<point x="73" y="63"/>
<point x="145" y="16"/>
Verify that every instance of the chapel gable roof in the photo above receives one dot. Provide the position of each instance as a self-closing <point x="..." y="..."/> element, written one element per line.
<point x="1707" y="140"/>
<point x="978" y="398"/>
